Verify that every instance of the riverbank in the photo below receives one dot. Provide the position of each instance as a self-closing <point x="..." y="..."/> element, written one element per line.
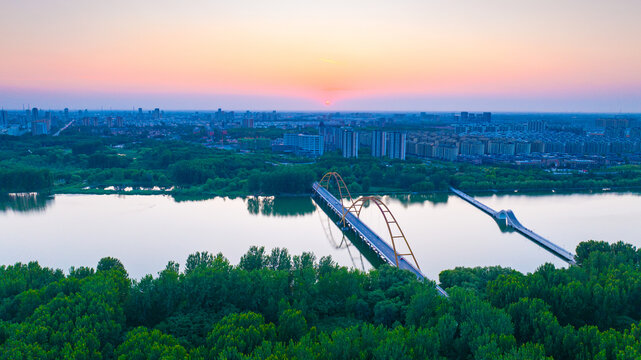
<point x="194" y="193"/>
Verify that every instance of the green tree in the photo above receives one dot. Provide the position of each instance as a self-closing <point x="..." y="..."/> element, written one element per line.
<point x="239" y="332"/>
<point x="291" y="325"/>
<point x="143" y="344"/>
<point x="254" y="259"/>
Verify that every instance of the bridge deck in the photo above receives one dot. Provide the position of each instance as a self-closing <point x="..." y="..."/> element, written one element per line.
<point x="555" y="249"/>
<point x="486" y="209"/>
<point x="369" y="237"/>
<point x="514" y="223"/>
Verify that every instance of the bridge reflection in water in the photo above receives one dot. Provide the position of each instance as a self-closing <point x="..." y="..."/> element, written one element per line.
<point x="342" y="241"/>
<point x="506" y="218"/>
<point x="353" y="225"/>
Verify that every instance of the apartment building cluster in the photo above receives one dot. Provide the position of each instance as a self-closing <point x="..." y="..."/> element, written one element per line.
<point x="390" y="144"/>
<point x="343" y="138"/>
<point x="509" y="145"/>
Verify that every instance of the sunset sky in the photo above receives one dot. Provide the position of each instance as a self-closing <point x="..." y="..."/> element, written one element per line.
<point x="496" y="55"/>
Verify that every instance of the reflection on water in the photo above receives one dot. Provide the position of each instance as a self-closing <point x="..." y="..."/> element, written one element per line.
<point x="196" y="198"/>
<point x="502" y="224"/>
<point x="339" y="241"/>
<point x="269" y="206"/>
<point x="25" y="202"/>
<point x="408" y="199"/>
<point x="280" y="206"/>
<point x="146" y="231"/>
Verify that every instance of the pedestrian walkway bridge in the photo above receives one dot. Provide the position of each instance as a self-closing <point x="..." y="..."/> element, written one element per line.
<point x="350" y="222"/>
<point x="509" y="219"/>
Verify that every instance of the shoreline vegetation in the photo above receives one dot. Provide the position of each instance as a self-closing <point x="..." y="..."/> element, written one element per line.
<point x="382" y="192"/>
<point x="77" y="164"/>
<point x="273" y="305"/>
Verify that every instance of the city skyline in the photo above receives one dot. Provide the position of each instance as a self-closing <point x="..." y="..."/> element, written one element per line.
<point x="359" y="56"/>
<point x="11" y="101"/>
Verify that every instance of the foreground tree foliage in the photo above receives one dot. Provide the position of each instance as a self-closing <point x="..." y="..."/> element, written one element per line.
<point x="276" y="306"/>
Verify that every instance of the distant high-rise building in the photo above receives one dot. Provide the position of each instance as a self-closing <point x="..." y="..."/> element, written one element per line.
<point x="66" y="111"/>
<point x="425" y="149"/>
<point x="487" y="117"/>
<point x="156" y="113"/>
<point x="535" y="125"/>
<point x="464" y="116"/>
<point x="290" y="140"/>
<point x="537" y="146"/>
<point x="331" y="136"/>
<point x="523" y="148"/>
<point x="34" y="114"/>
<point x="116" y="122"/>
<point x="616" y="123"/>
<point x="310" y="145"/>
<point x="248" y="120"/>
<point x="140" y="115"/>
<point x="471" y="147"/>
<point x="494" y="147"/>
<point x="4" y="120"/>
<point x="47" y="120"/>
<point x="575" y="147"/>
<point x="447" y="150"/>
<point x="507" y="148"/>
<point x="39" y="127"/>
<point x="321" y="130"/>
<point x="349" y="142"/>
<point x="91" y="121"/>
<point x="248" y="123"/>
<point x="223" y="118"/>
<point x="379" y="143"/>
<point x="615" y="131"/>
<point x="396" y="145"/>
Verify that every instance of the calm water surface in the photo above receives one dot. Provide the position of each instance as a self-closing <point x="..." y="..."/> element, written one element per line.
<point x="145" y="232"/>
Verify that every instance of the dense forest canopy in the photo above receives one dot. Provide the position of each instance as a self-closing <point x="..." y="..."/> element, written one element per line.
<point x="82" y="163"/>
<point x="277" y="306"/>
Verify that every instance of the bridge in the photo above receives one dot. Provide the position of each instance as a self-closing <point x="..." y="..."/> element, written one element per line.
<point x="509" y="219"/>
<point x="343" y="243"/>
<point x="350" y="222"/>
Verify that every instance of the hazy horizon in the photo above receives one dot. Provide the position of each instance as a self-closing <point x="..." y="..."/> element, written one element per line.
<point x="204" y="102"/>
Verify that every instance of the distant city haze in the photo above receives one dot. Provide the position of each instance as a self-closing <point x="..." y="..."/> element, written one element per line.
<point x="491" y="55"/>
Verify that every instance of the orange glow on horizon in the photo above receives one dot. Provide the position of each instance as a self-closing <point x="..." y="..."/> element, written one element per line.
<point x="314" y="52"/>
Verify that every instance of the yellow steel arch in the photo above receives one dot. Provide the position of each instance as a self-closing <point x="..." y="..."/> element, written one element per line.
<point x="343" y="191"/>
<point x="394" y="229"/>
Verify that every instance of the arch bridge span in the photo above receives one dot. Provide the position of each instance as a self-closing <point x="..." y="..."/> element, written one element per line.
<point x="334" y="177"/>
<point x="349" y="220"/>
<point x="394" y="229"/>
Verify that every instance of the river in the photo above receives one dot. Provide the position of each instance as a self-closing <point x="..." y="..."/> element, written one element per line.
<point x="145" y="232"/>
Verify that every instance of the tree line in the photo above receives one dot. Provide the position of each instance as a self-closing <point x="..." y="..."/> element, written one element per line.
<point x="277" y="306"/>
<point x="76" y="162"/>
